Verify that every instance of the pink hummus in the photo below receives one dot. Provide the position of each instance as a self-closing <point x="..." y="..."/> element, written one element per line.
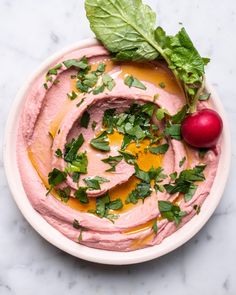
<point x="50" y="120"/>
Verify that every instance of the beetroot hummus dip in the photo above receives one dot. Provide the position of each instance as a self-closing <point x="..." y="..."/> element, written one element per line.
<point x="100" y="152"/>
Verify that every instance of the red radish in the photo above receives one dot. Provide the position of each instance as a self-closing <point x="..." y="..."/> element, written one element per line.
<point x="202" y="129"/>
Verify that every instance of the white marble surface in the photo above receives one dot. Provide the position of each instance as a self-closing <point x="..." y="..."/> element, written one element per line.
<point x="29" y="32"/>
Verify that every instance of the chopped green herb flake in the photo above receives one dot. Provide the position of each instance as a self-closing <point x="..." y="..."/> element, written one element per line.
<point x="94" y="124"/>
<point x="181" y="162"/>
<point x="161" y="149"/>
<point x="155" y="226"/>
<point x="84" y="121"/>
<point x="76" y="224"/>
<point x="112" y="161"/>
<point x="71" y="149"/>
<point x="178" y="118"/>
<point x="204" y="97"/>
<point x="162" y="85"/>
<point x="161" y="113"/>
<point x="101" y="142"/>
<point x="171" y="212"/>
<point x="174" y="131"/>
<point x="64" y="193"/>
<point x="115" y="205"/>
<point x="72" y="95"/>
<point x="93" y="183"/>
<point x="58" y="153"/>
<point x="184" y="183"/>
<point x="108" y="81"/>
<point x="81" y="195"/>
<point x="131" y="81"/>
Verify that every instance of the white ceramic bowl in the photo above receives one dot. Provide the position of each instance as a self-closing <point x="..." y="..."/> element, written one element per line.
<point x="95" y="255"/>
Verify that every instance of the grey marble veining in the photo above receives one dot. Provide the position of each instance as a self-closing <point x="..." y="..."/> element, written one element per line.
<point x="29" y="32"/>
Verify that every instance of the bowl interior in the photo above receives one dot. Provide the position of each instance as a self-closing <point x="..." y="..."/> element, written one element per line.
<point x="96" y="255"/>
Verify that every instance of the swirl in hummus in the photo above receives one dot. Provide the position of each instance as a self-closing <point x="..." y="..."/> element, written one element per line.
<point x="100" y="152"/>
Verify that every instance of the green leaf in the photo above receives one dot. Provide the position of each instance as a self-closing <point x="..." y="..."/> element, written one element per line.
<point x="56" y="177"/>
<point x="93" y="183"/>
<point x="72" y="95"/>
<point x="112" y="161"/>
<point x="76" y="224"/>
<point x="72" y="148"/>
<point x="143" y="175"/>
<point x="58" y="153"/>
<point x="101" y="142"/>
<point x="64" y="193"/>
<point x="81" y="195"/>
<point x="155" y="226"/>
<point x="101" y="204"/>
<point x="108" y="81"/>
<point x="98" y="89"/>
<point x="94" y="124"/>
<point x="81" y="64"/>
<point x="160" y="114"/>
<point x="178" y="118"/>
<point x="134" y="82"/>
<point x="171" y="212"/>
<point x="162" y="85"/>
<point x="161" y="149"/>
<point x="185" y="182"/>
<point x="124" y="27"/>
<point x="174" y="131"/>
<point x="115" y="205"/>
<point x="101" y="68"/>
<point x="148" y="108"/>
<point x="142" y="190"/>
<point x="204" y="97"/>
<point x="78" y="165"/>
<point x="128" y="157"/>
<point x="181" y="162"/>
<point x="84" y="121"/>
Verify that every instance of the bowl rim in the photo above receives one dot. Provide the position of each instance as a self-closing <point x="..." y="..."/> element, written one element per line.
<point x="53" y="236"/>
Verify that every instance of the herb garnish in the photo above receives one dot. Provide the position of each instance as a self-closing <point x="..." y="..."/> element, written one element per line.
<point x="64" y="193"/>
<point x="94" y="124"/>
<point x="131" y="81"/>
<point x="162" y="85"/>
<point x="171" y="212"/>
<point x="174" y="131"/>
<point x="103" y="205"/>
<point x="112" y="161"/>
<point x="131" y="35"/>
<point x="78" y="165"/>
<point x="81" y="195"/>
<point x="185" y="182"/>
<point x="93" y="183"/>
<point x="161" y="149"/>
<point x="101" y="142"/>
<point x="181" y="162"/>
<point x="84" y="121"/>
<point x="76" y="224"/>
<point x="155" y="226"/>
<point x="72" y="148"/>
<point x="72" y="95"/>
<point x="58" y="153"/>
<point x="55" y="177"/>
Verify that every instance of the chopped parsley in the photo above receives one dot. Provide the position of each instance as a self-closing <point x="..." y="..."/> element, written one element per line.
<point x="72" y="148"/>
<point x="72" y="95"/>
<point x="58" y="153"/>
<point x="101" y="142"/>
<point x="78" y="165"/>
<point x="185" y="182"/>
<point x="131" y="81"/>
<point x="55" y="177"/>
<point x="84" y="121"/>
<point x="162" y="84"/>
<point x="81" y="195"/>
<point x="112" y="161"/>
<point x="93" y="183"/>
<point x="103" y="205"/>
<point x="94" y="124"/>
<point x="161" y="149"/>
<point x="181" y="162"/>
<point x="142" y="190"/>
<point x="76" y="224"/>
<point x="204" y="97"/>
<point x="155" y="226"/>
<point x="173" y="131"/>
<point x="108" y="81"/>
<point x="64" y="193"/>
<point x="171" y="212"/>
